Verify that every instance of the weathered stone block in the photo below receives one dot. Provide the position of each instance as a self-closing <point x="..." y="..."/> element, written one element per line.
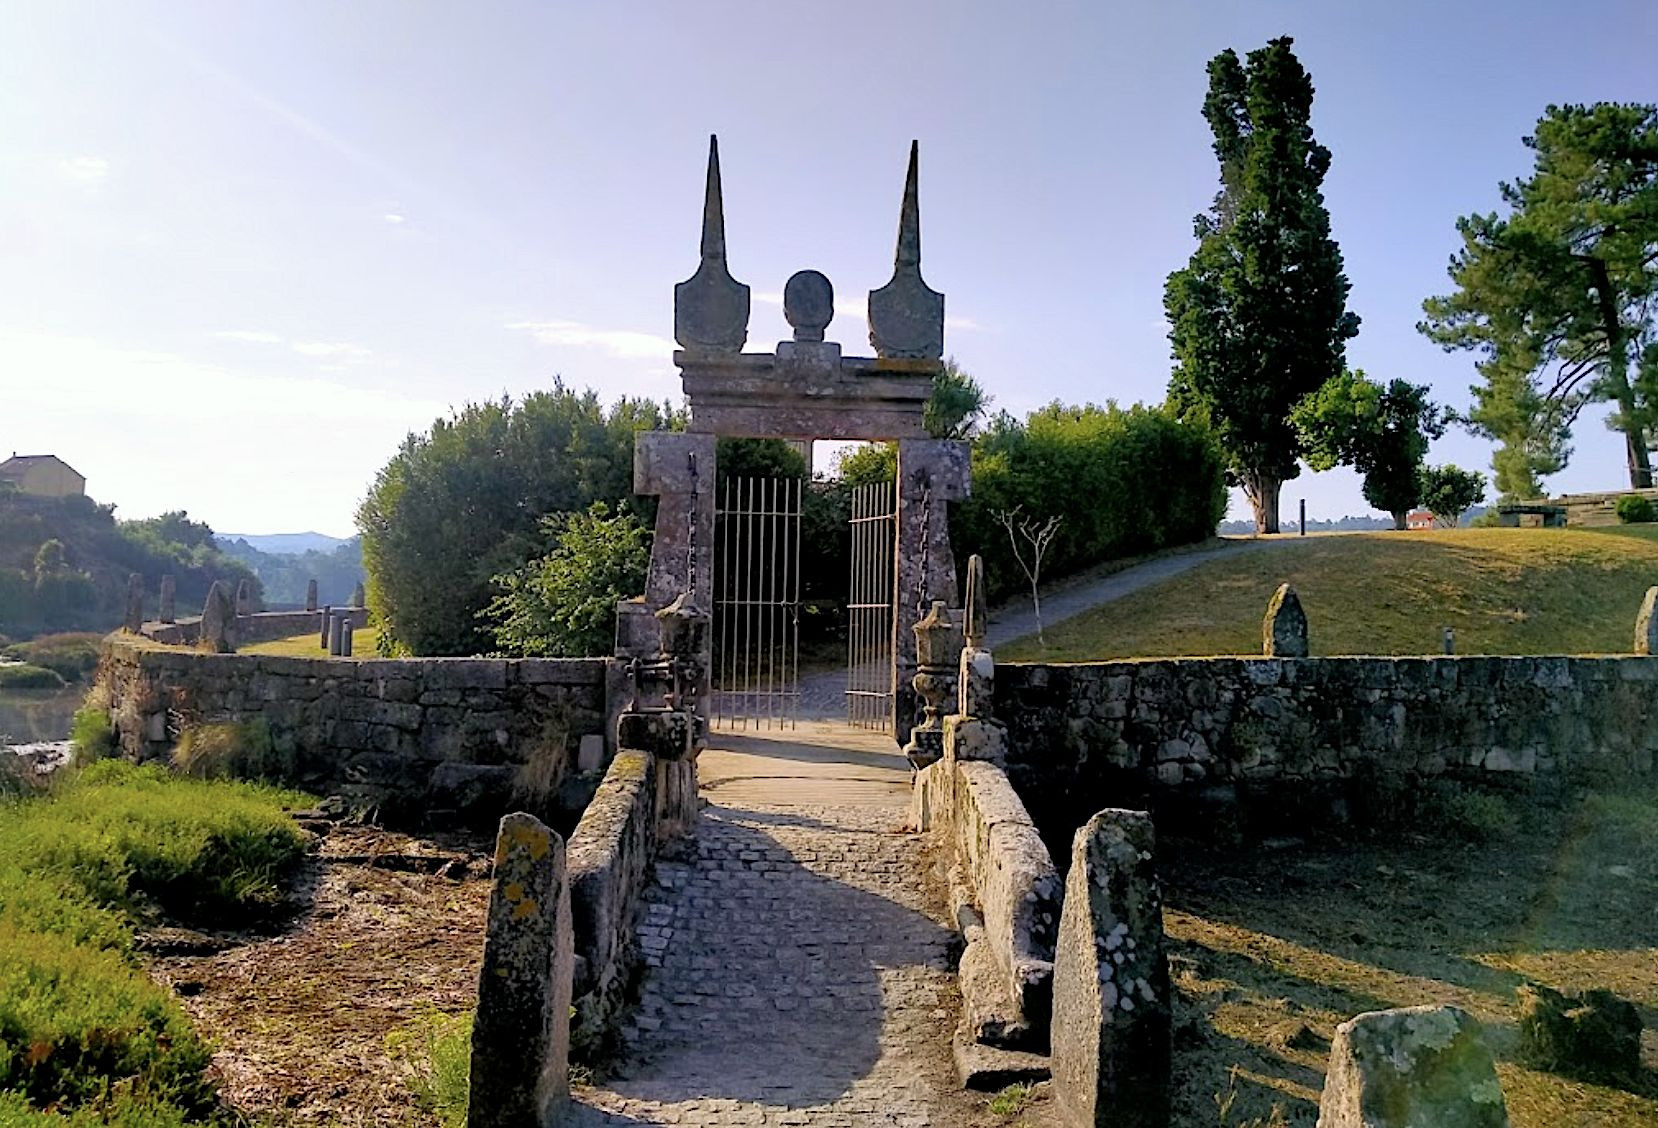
<point x="665" y="734"/>
<point x="1410" y="1067"/>
<point x="1284" y="630"/>
<point x="973" y="738"/>
<point x="521" y="1035"/>
<point x="1111" y="1020"/>
<point x="1593" y="1036"/>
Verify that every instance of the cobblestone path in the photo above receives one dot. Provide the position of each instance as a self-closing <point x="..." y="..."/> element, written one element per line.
<point x="800" y="971"/>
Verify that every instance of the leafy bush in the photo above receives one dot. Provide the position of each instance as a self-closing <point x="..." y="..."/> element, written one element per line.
<point x="1633" y="509"/>
<point x="438" y="1049"/>
<point x="1467" y="813"/>
<point x="29" y="677"/>
<point x="91" y="733"/>
<point x="119" y="1110"/>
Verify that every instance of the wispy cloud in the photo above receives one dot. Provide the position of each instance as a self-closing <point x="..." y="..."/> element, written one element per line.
<point x="84" y="170"/>
<point x="321" y="350"/>
<point x="628" y="344"/>
<point x="395" y="218"/>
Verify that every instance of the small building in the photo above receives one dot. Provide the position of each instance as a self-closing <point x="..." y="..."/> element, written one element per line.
<point x="1419" y="519"/>
<point x="42" y="475"/>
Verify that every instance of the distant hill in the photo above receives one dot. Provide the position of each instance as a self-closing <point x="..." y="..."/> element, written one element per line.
<point x="284" y="544"/>
<point x="1290" y="525"/>
<point x="284" y="575"/>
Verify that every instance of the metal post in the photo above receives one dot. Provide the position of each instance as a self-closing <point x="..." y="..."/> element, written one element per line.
<point x="1450" y="641"/>
<point x="1303" y="516"/>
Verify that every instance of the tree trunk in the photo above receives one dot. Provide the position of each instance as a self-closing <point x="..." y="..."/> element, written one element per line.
<point x="1401" y="519"/>
<point x="1262" y="491"/>
<point x="1617" y="371"/>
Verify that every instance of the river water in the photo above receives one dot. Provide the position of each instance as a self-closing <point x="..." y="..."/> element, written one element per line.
<point x="35" y="722"/>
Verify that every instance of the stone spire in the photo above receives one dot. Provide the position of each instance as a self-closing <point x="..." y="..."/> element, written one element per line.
<point x="711" y="307"/>
<point x="906" y="316"/>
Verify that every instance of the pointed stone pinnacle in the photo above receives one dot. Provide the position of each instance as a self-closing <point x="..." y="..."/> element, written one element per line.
<point x="713" y="206"/>
<point x="909" y="215"/>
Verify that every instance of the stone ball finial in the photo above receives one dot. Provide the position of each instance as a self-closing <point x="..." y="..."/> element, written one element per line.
<point x="808" y="304"/>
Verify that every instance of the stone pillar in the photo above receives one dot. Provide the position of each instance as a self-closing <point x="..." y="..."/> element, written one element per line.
<point x="336" y="629"/>
<point x="346" y="635"/>
<point x="1284" y="630"/>
<point x="1646" y="624"/>
<point x="244" y="598"/>
<point x="521" y="1035"/>
<point x="938" y="655"/>
<point x="218" y="621"/>
<point x="677" y="468"/>
<point x="359" y="597"/>
<point x="134" y="621"/>
<point x="168" y="612"/>
<point x="1111" y="1020"/>
<point x="322" y="640"/>
<point x="1416" y="1065"/>
<point x="311" y="595"/>
<point x="931" y="474"/>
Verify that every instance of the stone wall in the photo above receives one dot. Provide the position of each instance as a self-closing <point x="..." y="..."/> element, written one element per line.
<point x="431" y="740"/>
<point x="1103" y="733"/>
<point x="610" y="855"/>
<point x="263" y="626"/>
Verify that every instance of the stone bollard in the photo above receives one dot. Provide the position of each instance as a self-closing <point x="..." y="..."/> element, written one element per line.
<point x="244" y="598"/>
<point x="218" y="621"/>
<point x="1646" y="624"/>
<point x="347" y="636"/>
<point x="322" y="641"/>
<point x="134" y="622"/>
<point x="336" y="629"/>
<point x="1284" y="630"/>
<point x="1408" y="1067"/>
<point x="1111" y="1031"/>
<point x="1450" y="640"/>
<point x="521" y="1035"/>
<point x="168" y="611"/>
<point x="310" y="595"/>
<point x="359" y="598"/>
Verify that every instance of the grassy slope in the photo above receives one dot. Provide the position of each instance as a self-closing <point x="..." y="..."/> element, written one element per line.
<point x="1505" y="591"/>
<point x="363" y="642"/>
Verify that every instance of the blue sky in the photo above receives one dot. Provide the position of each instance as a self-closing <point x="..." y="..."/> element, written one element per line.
<point x="246" y="247"/>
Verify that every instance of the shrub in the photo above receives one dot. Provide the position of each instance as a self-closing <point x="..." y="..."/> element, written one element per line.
<point x="29" y="677"/>
<point x="72" y="1017"/>
<point x="1466" y="813"/>
<point x="119" y="1110"/>
<point x="1633" y="509"/>
<point x="91" y="734"/>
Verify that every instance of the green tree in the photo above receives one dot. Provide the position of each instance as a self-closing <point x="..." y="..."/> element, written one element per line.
<point x="957" y="405"/>
<point x="1449" y="491"/>
<point x="563" y="604"/>
<point x="1259" y="315"/>
<point x="1558" y="294"/>
<point x="1382" y="432"/>
<point x="463" y="502"/>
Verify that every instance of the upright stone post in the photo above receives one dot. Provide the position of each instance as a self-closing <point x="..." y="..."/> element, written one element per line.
<point x="168" y="611"/>
<point x="1111" y="1020"/>
<point x="1408" y="1067"/>
<point x="521" y="1035"/>
<point x="133" y="622"/>
<point x="932" y="473"/>
<point x="1284" y="630"/>
<point x="218" y="621"/>
<point x="347" y="636"/>
<point x="359" y="597"/>
<point x="938" y="644"/>
<point x="322" y="639"/>
<point x="311" y="595"/>
<point x="336" y="631"/>
<point x="244" y="598"/>
<point x="1646" y="624"/>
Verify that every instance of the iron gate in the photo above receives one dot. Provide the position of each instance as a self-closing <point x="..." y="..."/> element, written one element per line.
<point x="869" y="608"/>
<point x="757" y="603"/>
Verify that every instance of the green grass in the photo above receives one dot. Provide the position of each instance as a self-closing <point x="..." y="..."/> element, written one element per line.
<point x="25" y="676"/>
<point x="363" y="642"/>
<point x="115" y="846"/>
<point x="72" y="656"/>
<point x="438" y="1050"/>
<point x="1504" y="591"/>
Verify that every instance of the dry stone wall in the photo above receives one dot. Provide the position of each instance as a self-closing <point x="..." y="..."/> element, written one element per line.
<point x="1267" y="730"/>
<point x="433" y="740"/>
<point x="262" y="626"/>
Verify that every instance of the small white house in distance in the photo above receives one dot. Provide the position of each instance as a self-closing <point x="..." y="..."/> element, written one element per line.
<point x="41" y="475"/>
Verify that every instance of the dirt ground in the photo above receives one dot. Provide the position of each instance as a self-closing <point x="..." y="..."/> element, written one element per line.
<point x="1272" y="946"/>
<point x="390" y="928"/>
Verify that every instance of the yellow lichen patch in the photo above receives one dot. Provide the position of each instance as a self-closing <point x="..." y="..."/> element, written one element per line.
<point x="528" y="907"/>
<point x="513" y="891"/>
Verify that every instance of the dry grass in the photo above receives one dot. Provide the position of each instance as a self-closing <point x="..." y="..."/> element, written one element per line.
<point x="1504" y="591"/>
<point x="1272" y="947"/>
<point x="363" y="642"/>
